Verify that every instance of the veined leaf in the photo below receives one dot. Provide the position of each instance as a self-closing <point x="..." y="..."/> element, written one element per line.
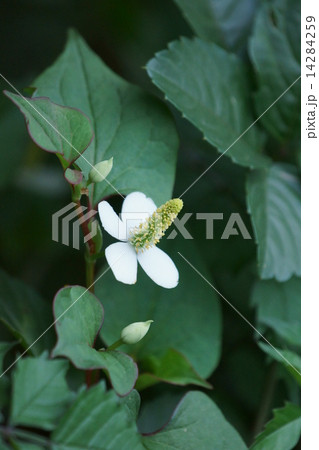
<point x="100" y="420"/>
<point x="226" y="23"/>
<point x="275" y="53"/>
<point x="209" y="86"/>
<point x="172" y="368"/>
<point x="282" y="432"/>
<point x="273" y="197"/>
<point x="40" y="392"/>
<point x="129" y="125"/>
<point x="57" y="129"/>
<point x="278" y="306"/>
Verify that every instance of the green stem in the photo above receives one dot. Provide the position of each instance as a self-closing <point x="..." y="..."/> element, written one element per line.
<point x="115" y="345"/>
<point x="89" y="269"/>
<point x="9" y="432"/>
<point x="266" y="401"/>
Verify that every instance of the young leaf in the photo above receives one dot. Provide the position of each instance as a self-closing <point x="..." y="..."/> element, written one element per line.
<point x="187" y="318"/>
<point x="226" y="23"/>
<point x="278" y="307"/>
<point x="196" y="423"/>
<point x="273" y="197"/>
<point x="283" y="431"/>
<point x="209" y="86"/>
<point x="172" y="368"/>
<point x="40" y="392"/>
<point x="77" y="330"/>
<point x="275" y="53"/>
<point x="56" y="129"/>
<point x="24" y="313"/>
<point x="129" y="124"/>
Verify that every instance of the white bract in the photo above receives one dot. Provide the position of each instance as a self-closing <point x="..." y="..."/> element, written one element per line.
<point x="139" y="227"/>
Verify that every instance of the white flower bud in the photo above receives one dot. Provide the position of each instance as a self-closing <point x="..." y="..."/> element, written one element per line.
<point x="101" y="170"/>
<point x="134" y="332"/>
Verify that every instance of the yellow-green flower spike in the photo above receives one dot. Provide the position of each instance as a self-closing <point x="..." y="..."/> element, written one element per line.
<point x="149" y="232"/>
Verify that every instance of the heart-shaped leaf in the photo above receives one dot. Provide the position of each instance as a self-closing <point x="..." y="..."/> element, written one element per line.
<point x="79" y="316"/>
<point x="130" y="125"/>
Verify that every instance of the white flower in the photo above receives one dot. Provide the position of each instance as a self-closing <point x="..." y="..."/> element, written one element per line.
<point x="140" y="227"/>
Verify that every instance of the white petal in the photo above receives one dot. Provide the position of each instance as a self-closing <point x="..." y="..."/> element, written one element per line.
<point x="136" y="208"/>
<point x="138" y="202"/>
<point x="111" y="221"/>
<point x="122" y="259"/>
<point x="159" y="267"/>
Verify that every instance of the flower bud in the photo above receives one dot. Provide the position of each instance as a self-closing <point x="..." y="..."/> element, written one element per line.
<point x="101" y="170"/>
<point x="134" y="332"/>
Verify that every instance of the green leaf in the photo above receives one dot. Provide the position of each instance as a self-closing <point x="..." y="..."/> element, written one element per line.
<point x="275" y="53"/>
<point x="97" y="420"/>
<point x="282" y="432"/>
<point x="56" y="129"/>
<point x="187" y="318"/>
<point x="273" y="197"/>
<point x="132" y="401"/>
<point x="285" y="356"/>
<point x="79" y="317"/>
<point x="22" y="445"/>
<point x="209" y="86"/>
<point x="226" y="23"/>
<point x="278" y="307"/>
<point x="129" y="124"/>
<point x="40" y="392"/>
<point x="196" y="423"/>
<point x="100" y="420"/>
<point x="24" y="313"/>
<point x="172" y="368"/>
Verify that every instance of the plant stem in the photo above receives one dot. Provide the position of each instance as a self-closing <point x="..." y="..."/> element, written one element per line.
<point x="266" y="401"/>
<point x="115" y="345"/>
<point x="89" y="270"/>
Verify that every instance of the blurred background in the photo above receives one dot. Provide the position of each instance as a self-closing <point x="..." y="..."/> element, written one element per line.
<point x="126" y="34"/>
